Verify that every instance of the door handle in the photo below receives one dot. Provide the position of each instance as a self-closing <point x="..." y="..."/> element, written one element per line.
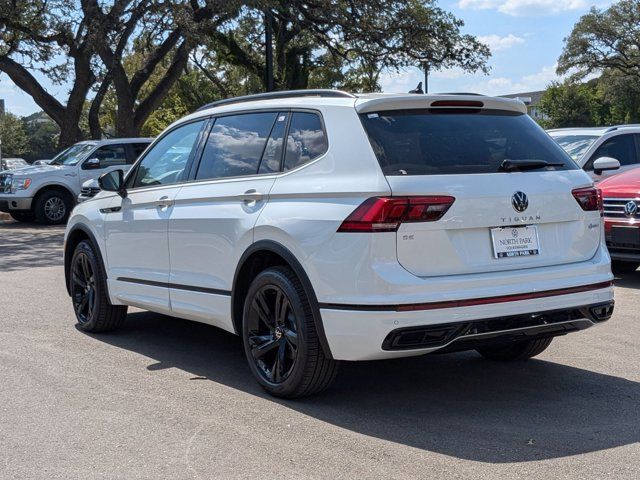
<point x="252" y="196"/>
<point x="164" y="202"/>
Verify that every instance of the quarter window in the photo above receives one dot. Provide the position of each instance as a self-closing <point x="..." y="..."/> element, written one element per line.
<point x="236" y="145"/>
<point x="306" y="140"/>
<point x="166" y="162"/>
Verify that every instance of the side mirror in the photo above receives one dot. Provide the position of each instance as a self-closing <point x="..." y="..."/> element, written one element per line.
<point x="605" y="163"/>
<point x="113" y="181"/>
<point x="91" y="164"/>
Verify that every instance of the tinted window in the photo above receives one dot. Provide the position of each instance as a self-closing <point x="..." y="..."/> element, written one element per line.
<point x="111" y="155"/>
<point x="306" y="139"/>
<point x="235" y="145"/>
<point x="620" y="147"/>
<point x="423" y="142"/>
<point x="272" y="155"/>
<point x="137" y="149"/>
<point x="165" y="163"/>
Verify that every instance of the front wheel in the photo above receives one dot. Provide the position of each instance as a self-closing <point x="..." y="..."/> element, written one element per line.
<point x="92" y="307"/>
<point x="521" y="350"/>
<point x="280" y="339"/>
<point x="53" y="207"/>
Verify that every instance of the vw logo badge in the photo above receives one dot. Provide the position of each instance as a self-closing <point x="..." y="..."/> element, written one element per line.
<point x="630" y="209"/>
<point x="519" y="201"/>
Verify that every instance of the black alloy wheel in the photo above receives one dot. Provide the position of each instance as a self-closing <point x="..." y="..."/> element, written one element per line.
<point x="280" y="339"/>
<point x="83" y="288"/>
<point x="272" y="334"/>
<point x="88" y="287"/>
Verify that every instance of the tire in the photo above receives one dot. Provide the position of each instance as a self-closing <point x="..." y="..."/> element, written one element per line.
<point x="53" y="207"/>
<point x="619" y="267"/>
<point x="24" y="217"/>
<point x="87" y="281"/>
<point x="521" y="350"/>
<point x="284" y="353"/>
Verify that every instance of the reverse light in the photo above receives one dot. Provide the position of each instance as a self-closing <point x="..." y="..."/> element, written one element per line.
<point x="386" y="214"/>
<point x="589" y="199"/>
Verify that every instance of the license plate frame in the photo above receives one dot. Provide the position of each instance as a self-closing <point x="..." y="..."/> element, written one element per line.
<point x="515" y="242"/>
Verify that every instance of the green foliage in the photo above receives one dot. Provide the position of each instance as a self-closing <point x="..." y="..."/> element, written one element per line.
<point x="12" y="135"/>
<point x="604" y="40"/>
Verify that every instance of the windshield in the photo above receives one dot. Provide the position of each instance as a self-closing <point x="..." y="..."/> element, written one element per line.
<point x="13" y="163"/>
<point x="446" y="142"/>
<point x="575" y="145"/>
<point x="72" y="155"/>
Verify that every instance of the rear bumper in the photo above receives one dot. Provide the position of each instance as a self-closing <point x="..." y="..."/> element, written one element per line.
<point x="370" y="335"/>
<point x="15" y="204"/>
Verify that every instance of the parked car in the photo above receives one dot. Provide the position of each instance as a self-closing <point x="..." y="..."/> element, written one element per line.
<point x="42" y="162"/>
<point x="13" y="163"/>
<point x="323" y="226"/>
<point x="49" y="192"/>
<point x="601" y="152"/>
<point x="621" y="196"/>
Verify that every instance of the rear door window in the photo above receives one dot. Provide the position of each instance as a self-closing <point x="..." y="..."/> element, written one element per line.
<point x="306" y="140"/>
<point x="235" y="145"/>
<point x="444" y="142"/>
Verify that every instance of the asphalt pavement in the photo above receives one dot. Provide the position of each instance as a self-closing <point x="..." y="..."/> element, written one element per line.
<point x="167" y="398"/>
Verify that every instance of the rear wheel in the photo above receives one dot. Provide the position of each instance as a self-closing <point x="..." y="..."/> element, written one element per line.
<point x="521" y="350"/>
<point x="280" y="339"/>
<point x="91" y="305"/>
<point x="53" y="207"/>
<point x="23" y="216"/>
<point x="624" y="267"/>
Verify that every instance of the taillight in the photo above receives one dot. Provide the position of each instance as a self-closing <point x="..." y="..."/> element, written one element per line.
<point x="385" y="214"/>
<point x="589" y="198"/>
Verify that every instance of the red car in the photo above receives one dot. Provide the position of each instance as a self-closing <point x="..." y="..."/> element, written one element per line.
<point x="621" y="196"/>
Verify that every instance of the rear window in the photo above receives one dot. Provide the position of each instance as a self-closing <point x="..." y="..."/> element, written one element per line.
<point x="443" y="142"/>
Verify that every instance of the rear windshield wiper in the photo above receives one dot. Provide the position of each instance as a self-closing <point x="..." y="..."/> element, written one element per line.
<point x="508" y="165"/>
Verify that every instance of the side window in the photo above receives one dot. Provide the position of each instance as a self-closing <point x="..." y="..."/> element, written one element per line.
<point x="111" y="155"/>
<point x="272" y="155"/>
<point x="165" y="163"/>
<point x="235" y="145"/>
<point x="137" y="149"/>
<point x="306" y="139"/>
<point x="620" y="147"/>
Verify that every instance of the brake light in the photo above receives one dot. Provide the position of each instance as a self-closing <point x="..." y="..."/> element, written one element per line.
<point x="457" y="103"/>
<point x="385" y="214"/>
<point x="589" y="198"/>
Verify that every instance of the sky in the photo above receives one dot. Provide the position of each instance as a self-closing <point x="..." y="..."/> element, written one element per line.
<point x="525" y="37"/>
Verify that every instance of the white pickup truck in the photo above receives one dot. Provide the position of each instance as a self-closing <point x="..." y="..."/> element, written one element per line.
<point x="47" y="193"/>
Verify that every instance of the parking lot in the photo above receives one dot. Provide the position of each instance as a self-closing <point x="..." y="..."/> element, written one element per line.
<point x="168" y="398"/>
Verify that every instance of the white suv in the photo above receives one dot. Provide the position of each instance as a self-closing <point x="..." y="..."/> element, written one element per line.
<point x="601" y="151"/>
<point x="48" y="192"/>
<point x="323" y="226"/>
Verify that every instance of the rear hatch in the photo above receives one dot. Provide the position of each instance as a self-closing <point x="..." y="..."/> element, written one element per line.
<point x="520" y="201"/>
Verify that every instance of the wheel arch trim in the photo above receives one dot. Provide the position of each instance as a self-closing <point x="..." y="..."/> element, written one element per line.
<point x="298" y="269"/>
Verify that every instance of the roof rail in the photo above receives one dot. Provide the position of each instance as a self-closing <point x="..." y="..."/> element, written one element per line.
<point x="629" y="125"/>
<point x="319" y="92"/>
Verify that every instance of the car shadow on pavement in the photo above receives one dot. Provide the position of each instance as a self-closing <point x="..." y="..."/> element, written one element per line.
<point x="458" y="404"/>
<point x="628" y="280"/>
<point x="25" y="245"/>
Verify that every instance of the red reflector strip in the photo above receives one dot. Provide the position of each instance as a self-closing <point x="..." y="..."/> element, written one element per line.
<point x="473" y="301"/>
